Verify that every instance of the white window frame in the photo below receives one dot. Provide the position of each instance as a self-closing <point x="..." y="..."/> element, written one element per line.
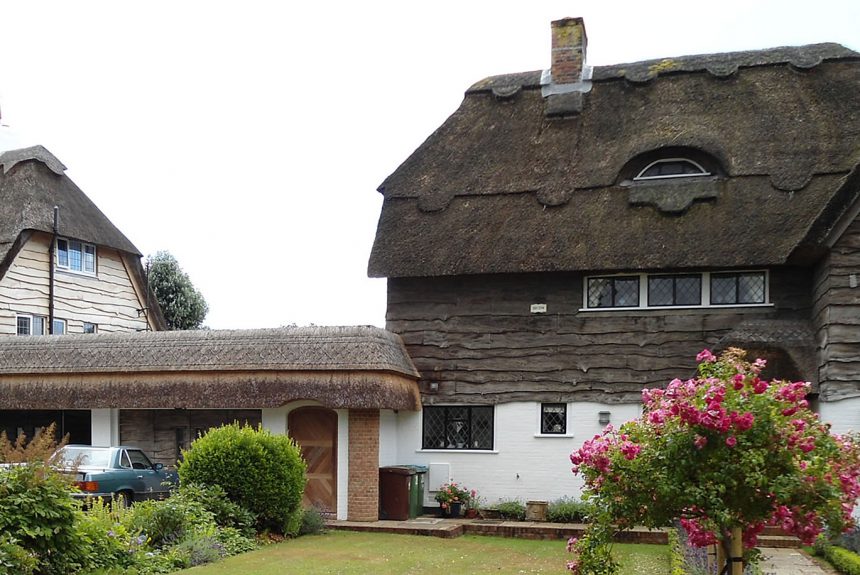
<point x="62" y="322"/>
<point x="706" y="292"/>
<point x="30" y="318"/>
<point x="640" y="178"/>
<point x="68" y="265"/>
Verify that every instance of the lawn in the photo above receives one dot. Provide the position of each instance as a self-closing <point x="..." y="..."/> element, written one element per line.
<point x="384" y="553"/>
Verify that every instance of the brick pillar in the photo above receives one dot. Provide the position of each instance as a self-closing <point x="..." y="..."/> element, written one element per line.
<point x="363" y="494"/>
<point x="568" y="50"/>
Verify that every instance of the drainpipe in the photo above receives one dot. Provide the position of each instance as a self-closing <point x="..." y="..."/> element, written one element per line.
<point x="51" y="256"/>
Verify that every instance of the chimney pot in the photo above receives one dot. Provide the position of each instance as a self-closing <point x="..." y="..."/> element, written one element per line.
<point x="568" y="50"/>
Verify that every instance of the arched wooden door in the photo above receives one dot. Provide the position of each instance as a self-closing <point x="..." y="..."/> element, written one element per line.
<point x="315" y="430"/>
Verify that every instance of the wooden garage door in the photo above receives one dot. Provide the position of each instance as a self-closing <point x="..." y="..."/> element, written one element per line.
<point x="315" y="430"/>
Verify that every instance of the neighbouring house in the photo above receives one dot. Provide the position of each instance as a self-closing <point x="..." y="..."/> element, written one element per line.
<point x="97" y="364"/>
<point x="570" y="236"/>
<point x="64" y="269"/>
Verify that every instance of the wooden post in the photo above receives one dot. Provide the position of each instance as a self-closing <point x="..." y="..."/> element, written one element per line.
<point x="721" y="557"/>
<point x="737" y="552"/>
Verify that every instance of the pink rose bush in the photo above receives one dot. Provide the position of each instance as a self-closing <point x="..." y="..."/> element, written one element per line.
<point x="723" y="450"/>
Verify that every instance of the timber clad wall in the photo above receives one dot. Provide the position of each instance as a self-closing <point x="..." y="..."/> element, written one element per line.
<point x="159" y="432"/>
<point x="110" y="299"/>
<point x="476" y="338"/>
<point x="363" y="502"/>
<point x="837" y="318"/>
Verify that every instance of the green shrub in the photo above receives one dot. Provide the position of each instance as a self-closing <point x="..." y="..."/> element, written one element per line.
<point x="200" y="549"/>
<point x="225" y="512"/>
<point x="263" y="473"/>
<point x="568" y="510"/>
<point x="312" y="522"/>
<point x="511" y="510"/>
<point x="162" y="522"/>
<point x="37" y="511"/>
<point x="845" y="561"/>
<point x="676" y="554"/>
<point x="14" y="559"/>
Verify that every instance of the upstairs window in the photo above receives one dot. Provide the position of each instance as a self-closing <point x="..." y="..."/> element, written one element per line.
<point x="90" y="327"/>
<point x="59" y="326"/>
<point x="738" y="288"/>
<point x="671" y="168"/>
<point x="675" y="290"/>
<point x="76" y="256"/>
<point x="616" y="291"/>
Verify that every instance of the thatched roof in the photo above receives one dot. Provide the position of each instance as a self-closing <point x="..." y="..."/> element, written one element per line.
<point x="517" y="181"/>
<point x="341" y="367"/>
<point x="32" y="182"/>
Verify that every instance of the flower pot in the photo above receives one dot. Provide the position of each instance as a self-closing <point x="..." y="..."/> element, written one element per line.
<point x="471" y="513"/>
<point x="455" y="509"/>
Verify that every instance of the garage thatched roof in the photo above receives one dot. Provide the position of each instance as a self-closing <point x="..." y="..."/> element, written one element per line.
<point x="517" y="181"/>
<point x="341" y="367"/>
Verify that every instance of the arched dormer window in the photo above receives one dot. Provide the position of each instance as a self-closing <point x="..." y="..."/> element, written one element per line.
<point x="671" y="168"/>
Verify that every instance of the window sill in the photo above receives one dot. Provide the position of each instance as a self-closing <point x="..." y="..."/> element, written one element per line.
<point x="674" y="307"/>
<point x="488" y="451"/>
<point x="553" y="435"/>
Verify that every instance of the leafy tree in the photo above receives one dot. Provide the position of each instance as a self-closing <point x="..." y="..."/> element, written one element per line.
<point x="726" y="454"/>
<point x="182" y="304"/>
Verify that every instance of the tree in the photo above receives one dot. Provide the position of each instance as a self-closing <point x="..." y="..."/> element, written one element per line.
<point x="725" y="454"/>
<point x="183" y="306"/>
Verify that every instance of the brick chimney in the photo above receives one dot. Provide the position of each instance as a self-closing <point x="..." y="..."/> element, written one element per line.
<point x="568" y="50"/>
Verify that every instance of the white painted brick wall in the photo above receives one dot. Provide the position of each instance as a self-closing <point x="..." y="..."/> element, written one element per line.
<point x="522" y="465"/>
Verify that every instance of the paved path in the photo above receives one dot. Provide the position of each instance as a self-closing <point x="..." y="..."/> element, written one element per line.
<point x="790" y="562"/>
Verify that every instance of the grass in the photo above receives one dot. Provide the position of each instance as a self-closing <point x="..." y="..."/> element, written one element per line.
<point x="345" y="552"/>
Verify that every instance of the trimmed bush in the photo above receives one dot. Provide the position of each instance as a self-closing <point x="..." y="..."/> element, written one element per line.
<point x="845" y="561"/>
<point x="568" y="510"/>
<point x="312" y="522"/>
<point x="261" y="472"/>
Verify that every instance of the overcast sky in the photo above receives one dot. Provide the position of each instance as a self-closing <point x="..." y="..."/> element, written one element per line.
<point x="249" y="138"/>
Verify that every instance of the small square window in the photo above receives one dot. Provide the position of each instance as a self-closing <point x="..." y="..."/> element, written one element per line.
<point x="553" y="418"/>
<point x="24" y="325"/>
<point x="90" y="327"/>
<point x="59" y="326"/>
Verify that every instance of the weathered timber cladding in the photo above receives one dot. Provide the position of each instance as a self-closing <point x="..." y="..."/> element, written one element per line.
<point x="110" y="299"/>
<point x="476" y="338"/>
<point x="161" y="432"/>
<point x="837" y="317"/>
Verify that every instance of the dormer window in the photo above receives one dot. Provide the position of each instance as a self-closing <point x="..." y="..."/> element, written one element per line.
<point x="671" y="168"/>
<point x="76" y="256"/>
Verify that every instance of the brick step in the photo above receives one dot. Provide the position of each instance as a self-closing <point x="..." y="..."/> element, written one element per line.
<point x="779" y="541"/>
<point x="774" y="531"/>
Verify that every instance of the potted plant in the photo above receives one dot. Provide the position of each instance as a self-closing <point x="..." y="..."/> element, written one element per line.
<point x="473" y="504"/>
<point x="451" y="498"/>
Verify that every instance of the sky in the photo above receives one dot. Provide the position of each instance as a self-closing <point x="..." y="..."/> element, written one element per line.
<point x="248" y="139"/>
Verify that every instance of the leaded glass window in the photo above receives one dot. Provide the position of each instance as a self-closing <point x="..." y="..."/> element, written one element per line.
<point x="675" y="290"/>
<point x="458" y="427"/>
<point x="553" y="418"/>
<point x="738" y="288"/>
<point x="621" y="291"/>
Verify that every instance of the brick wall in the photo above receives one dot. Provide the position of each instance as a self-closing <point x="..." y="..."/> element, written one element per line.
<point x="363" y="465"/>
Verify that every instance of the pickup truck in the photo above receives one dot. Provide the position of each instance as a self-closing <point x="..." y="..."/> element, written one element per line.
<point x="124" y="474"/>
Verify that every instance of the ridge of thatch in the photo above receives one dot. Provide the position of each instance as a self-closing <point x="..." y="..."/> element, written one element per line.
<point x="503" y="186"/>
<point x="362" y="348"/>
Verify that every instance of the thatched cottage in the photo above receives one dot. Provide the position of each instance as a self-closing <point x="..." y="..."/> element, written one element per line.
<point x="112" y="377"/>
<point x="572" y="235"/>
